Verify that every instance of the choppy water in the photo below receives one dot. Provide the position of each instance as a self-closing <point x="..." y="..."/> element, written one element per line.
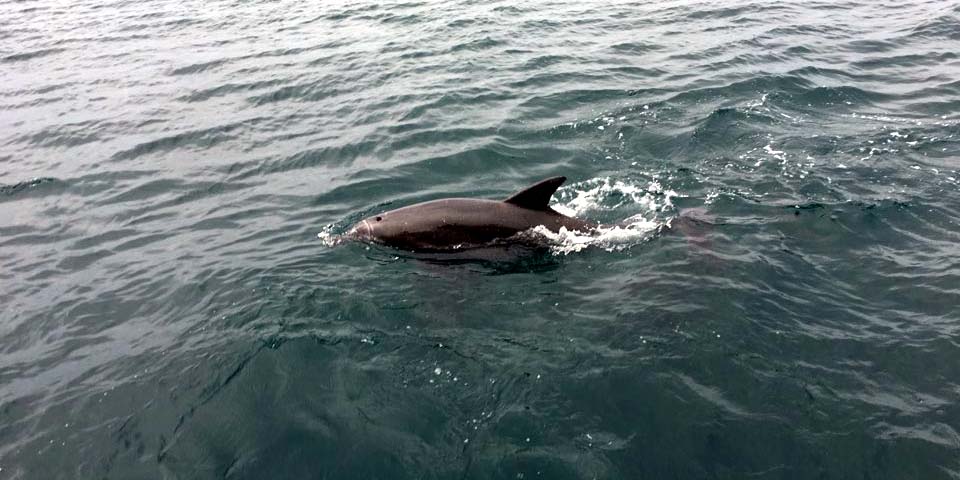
<point x="169" y="312"/>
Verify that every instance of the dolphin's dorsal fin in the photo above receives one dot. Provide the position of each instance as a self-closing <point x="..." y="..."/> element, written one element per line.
<point x="537" y="196"/>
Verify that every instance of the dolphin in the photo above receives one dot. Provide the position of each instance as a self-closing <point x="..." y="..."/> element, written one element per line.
<point x="455" y="224"/>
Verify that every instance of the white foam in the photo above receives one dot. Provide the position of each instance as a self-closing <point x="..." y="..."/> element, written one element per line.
<point x="605" y="194"/>
<point x="778" y="154"/>
<point x="327" y="236"/>
<point x="758" y="103"/>
<point x="590" y="195"/>
<point x="610" y="238"/>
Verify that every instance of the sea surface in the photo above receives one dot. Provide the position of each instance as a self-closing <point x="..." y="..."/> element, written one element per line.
<point x="782" y="300"/>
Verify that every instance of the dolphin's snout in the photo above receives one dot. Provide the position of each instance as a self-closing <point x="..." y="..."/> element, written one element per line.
<point x="361" y="231"/>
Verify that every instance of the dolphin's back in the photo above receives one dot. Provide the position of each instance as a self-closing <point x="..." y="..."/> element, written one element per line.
<point x="465" y="222"/>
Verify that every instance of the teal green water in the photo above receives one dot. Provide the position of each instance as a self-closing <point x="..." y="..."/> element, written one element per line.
<point x="786" y="305"/>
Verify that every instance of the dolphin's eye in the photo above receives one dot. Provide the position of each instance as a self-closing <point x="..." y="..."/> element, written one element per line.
<point x="379" y="218"/>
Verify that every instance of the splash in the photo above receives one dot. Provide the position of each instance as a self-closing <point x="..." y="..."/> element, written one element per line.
<point x="650" y="206"/>
<point x="612" y="238"/>
<point x="604" y="193"/>
<point x="329" y="237"/>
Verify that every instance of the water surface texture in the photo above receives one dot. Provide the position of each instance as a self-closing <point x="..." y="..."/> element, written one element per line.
<point x="788" y="305"/>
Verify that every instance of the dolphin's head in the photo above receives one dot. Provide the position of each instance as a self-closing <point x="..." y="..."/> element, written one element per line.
<point x="404" y="228"/>
<point x="377" y="228"/>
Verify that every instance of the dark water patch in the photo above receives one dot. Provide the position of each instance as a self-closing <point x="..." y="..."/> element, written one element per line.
<point x="101" y="239"/>
<point x="568" y="105"/>
<point x="41" y="185"/>
<point x="177" y="197"/>
<point x="388" y="18"/>
<point x="68" y="135"/>
<point x="712" y="52"/>
<point x="477" y="45"/>
<point x="368" y="183"/>
<point x="518" y="51"/>
<point x="458" y="99"/>
<point x="749" y="88"/>
<point x="942" y="27"/>
<point x="418" y="54"/>
<point x="15" y="230"/>
<point x="34" y="103"/>
<point x="947" y="88"/>
<point x="327" y="156"/>
<point x="203" y="190"/>
<point x="311" y="92"/>
<point x="510" y="10"/>
<point x="493" y="156"/>
<point x="638" y="72"/>
<point x="829" y="31"/>
<point x="748" y="59"/>
<point x="204" y="138"/>
<point x="83" y="260"/>
<point x="821" y="74"/>
<point x="105" y="39"/>
<point x="25" y="56"/>
<point x="872" y="46"/>
<point x="544" y="61"/>
<point x="151" y="15"/>
<point x="724" y="12"/>
<point x="896" y="222"/>
<point x="841" y="97"/>
<point x="910" y="60"/>
<point x="215" y="224"/>
<point x="544" y="80"/>
<point x="150" y="217"/>
<point x="944" y="108"/>
<point x="225" y="42"/>
<point x="726" y="128"/>
<point x="462" y="23"/>
<point x="142" y="241"/>
<point x="34" y="8"/>
<point x="146" y="191"/>
<point x="436" y="136"/>
<point x="168" y="26"/>
<point x="395" y="46"/>
<point x="197" y="67"/>
<point x="587" y="20"/>
<point x="349" y="12"/>
<point x="400" y="19"/>
<point x="95" y="180"/>
<point x="320" y="430"/>
<point x="284" y="52"/>
<point x="636" y="47"/>
<point x="542" y="25"/>
<point x="496" y="260"/>
<point x="227" y="89"/>
<point x="799" y="50"/>
<point x="33" y="239"/>
<point x="30" y="90"/>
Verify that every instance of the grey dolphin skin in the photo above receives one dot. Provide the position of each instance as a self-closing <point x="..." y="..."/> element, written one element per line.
<point x="453" y="224"/>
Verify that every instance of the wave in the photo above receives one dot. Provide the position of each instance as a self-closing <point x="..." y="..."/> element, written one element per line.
<point x="26" y="186"/>
<point x="25" y="56"/>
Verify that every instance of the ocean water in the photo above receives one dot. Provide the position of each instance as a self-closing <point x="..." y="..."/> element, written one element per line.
<point x="785" y="304"/>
